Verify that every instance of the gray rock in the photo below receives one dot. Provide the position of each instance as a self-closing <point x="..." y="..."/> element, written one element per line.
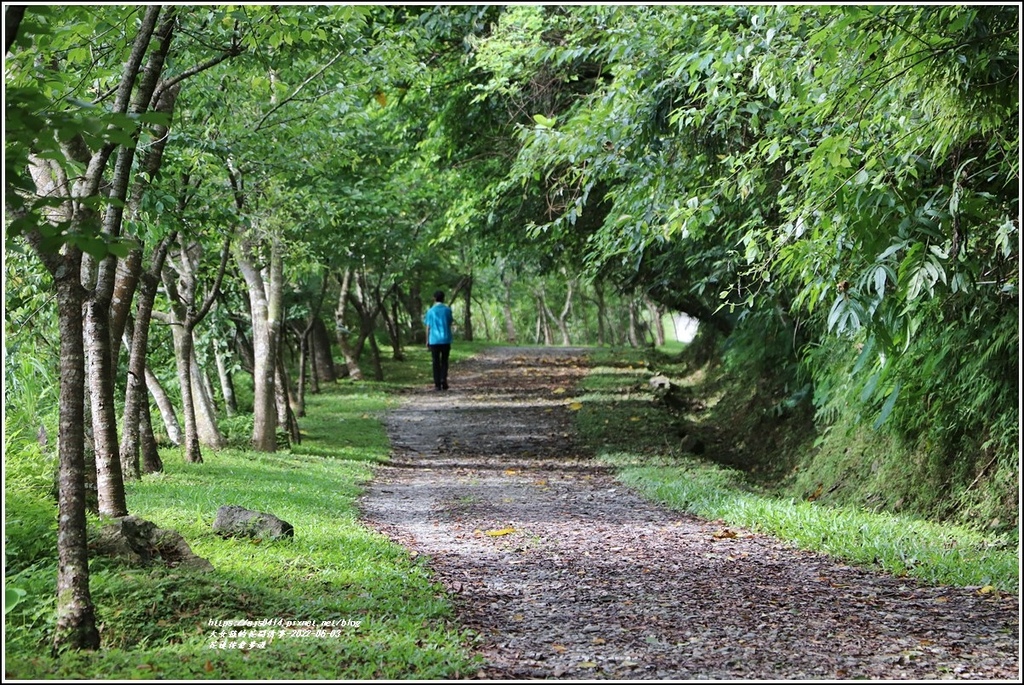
<point x="140" y="543"/>
<point x="235" y="521"/>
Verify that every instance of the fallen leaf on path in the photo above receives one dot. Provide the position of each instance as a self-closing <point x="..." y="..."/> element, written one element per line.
<point x="575" y="406"/>
<point x="499" y="531"/>
<point x="559" y="391"/>
<point x="558" y="648"/>
<point x="724" y="533"/>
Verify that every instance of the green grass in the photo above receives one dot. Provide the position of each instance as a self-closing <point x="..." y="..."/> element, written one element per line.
<point x="649" y="458"/>
<point x="155" y="623"/>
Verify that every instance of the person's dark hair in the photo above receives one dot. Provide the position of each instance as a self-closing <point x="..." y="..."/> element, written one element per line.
<point x="439" y="296"/>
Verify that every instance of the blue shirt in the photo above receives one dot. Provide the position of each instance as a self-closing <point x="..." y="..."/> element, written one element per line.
<point x="439" y="319"/>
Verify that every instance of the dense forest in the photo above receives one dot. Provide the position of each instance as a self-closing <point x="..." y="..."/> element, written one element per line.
<point x="211" y="211"/>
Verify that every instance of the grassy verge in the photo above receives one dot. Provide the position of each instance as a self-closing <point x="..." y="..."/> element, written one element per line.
<point x="391" y="620"/>
<point x="652" y="458"/>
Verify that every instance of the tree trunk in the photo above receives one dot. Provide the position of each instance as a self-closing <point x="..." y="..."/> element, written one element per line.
<point x="351" y="360"/>
<point x="632" y="333"/>
<point x="304" y="363"/>
<point x="204" y="406"/>
<point x="602" y="313"/>
<point x="286" y="420"/>
<point x="109" y="479"/>
<point x="76" y="616"/>
<point x="510" y="323"/>
<point x="657" y="325"/>
<point x="414" y="308"/>
<point x="561" y="322"/>
<point x="265" y="292"/>
<point x="378" y="368"/>
<point x="323" y="360"/>
<point x="136" y="402"/>
<point x="391" y="326"/>
<point x="227" y="385"/>
<point x="183" y="357"/>
<point x="166" y="407"/>
<point x="151" y="462"/>
<point x="465" y="288"/>
<point x="546" y="315"/>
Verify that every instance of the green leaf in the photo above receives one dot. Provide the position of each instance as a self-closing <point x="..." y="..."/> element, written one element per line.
<point x="543" y="121"/>
<point x="887" y="408"/>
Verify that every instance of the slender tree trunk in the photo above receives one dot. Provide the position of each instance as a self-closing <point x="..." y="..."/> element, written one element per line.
<point x="465" y="288"/>
<point x="323" y="360"/>
<point x="109" y="479"/>
<point x="634" y="338"/>
<point x="391" y="326"/>
<point x="204" y="406"/>
<point x="166" y="407"/>
<point x="414" y="309"/>
<point x="183" y="356"/>
<point x="378" y="368"/>
<point x="602" y="313"/>
<point x="227" y="385"/>
<point x="546" y="315"/>
<point x="151" y="462"/>
<point x="563" y="326"/>
<point x="76" y="616"/>
<point x="304" y="363"/>
<point x="265" y="294"/>
<point x="286" y="419"/>
<point x="136" y="402"/>
<point x="657" y="324"/>
<point x="351" y="360"/>
<point x="510" y="322"/>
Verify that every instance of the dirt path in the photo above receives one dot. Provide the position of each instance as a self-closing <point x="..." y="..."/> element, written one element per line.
<point x="565" y="573"/>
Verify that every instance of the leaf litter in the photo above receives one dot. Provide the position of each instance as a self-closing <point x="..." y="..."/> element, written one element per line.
<point x="578" y="577"/>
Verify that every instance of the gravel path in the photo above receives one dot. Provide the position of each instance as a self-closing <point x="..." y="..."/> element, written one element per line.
<point x="563" y="572"/>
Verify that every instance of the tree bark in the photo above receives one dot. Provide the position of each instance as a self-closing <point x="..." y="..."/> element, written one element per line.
<point x="340" y="323"/>
<point x="151" y="462"/>
<point x="166" y="407"/>
<point x="465" y="288"/>
<point x="227" y="385"/>
<point x="265" y="302"/>
<point x="323" y="360"/>
<point x="602" y="313"/>
<point x="76" y="615"/>
<point x="657" y="325"/>
<point x="510" y="322"/>
<point x="286" y="420"/>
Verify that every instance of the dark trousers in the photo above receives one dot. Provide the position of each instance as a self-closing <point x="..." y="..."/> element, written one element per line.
<point x="439" y="359"/>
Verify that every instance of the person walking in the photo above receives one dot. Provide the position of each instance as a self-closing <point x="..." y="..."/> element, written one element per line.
<point x="438" y="321"/>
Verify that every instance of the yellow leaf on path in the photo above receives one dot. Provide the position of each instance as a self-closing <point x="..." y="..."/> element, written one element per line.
<point x="576" y="406"/>
<point x="558" y="648"/>
<point x="510" y="472"/>
<point x="559" y="391"/>
<point x="588" y="664"/>
<point x="724" y="533"/>
<point x="499" y="531"/>
<point x="987" y="590"/>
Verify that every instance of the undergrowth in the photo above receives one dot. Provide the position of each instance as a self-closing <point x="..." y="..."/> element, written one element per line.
<point x="391" y="620"/>
<point x="653" y="449"/>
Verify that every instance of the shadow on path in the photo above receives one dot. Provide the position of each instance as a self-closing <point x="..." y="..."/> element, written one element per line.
<point x="565" y="573"/>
